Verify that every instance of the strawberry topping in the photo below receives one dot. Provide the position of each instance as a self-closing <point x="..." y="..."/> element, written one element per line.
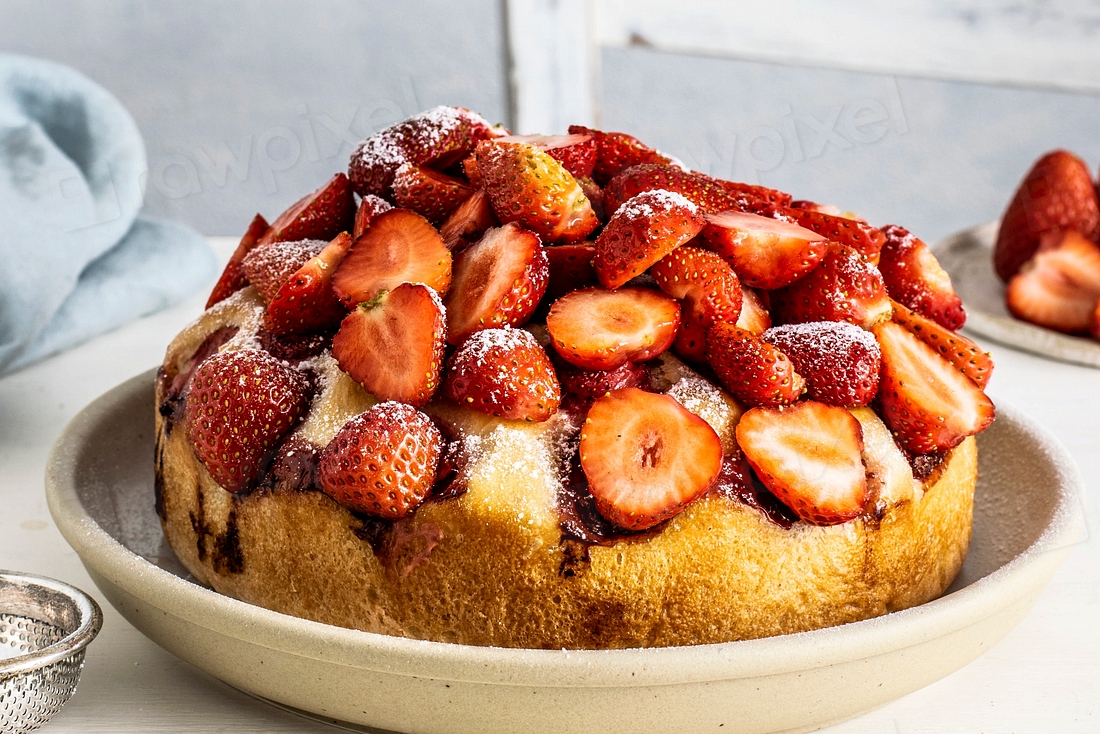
<point x="233" y="277"/>
<point x="706" y="286"/>
<point x="857" y="234"/>
<point x="967" y="356"/>
<point x="839" y="361"/>
<point x="305" y="302"/>
<point x="468" y="222"/>
<point x="764" y="252"/>
<point x="843" y="287"/>
<point x="913" y="277"/>
<point x="322" y="215"/>
<point x="616" y="151"/>
<point x="429" y="193"/>
<point x="269" y="266"/>
<point x="570" y="269"/>
<point x="753" y="370"/>
<point x="369" y="209"/>
<point x="1058" y="288"/>
<point x="754" y="317"/>
<point x="703" y="191"/>
<point x="577" y="153"/>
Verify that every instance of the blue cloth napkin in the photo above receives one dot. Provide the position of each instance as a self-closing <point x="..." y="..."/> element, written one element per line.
<point x="76" y="259"/>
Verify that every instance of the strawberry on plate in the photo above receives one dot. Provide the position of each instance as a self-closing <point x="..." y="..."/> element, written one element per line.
<point x="967" y="356"/>
<point x="754" y="317"/>
<point x="809" y="455"/>
<point x="843" y="287"/>
<point x="233" y="277"/>
<point x="596" y="329"/>
<point x="928" y="404"/>
<point x="857" y="234"/>
<point x="839" y="361"/>
<point x="239" y="406"/>
<point x="703" y="191"/>
<point x="468" y="222"/>
<point x="268" y="266"/>
<point x="503" y="373"/>
<point x="646" y="457"/>
<point x="393" y="344"/>
<point x="369" y="209"/>
<point x="305" y="302"/>
<point x="1058" y="288"/>
<point x="322" y="215"/>
<point x="702" y="281"/>
<point x="617" y="151"/>
<point x="382" y="462"/>
<point x="429" y="193"/>
<point x="756" y="372"/>
<point x="764" y="252"/>
<point x="1057" y="193"/>
<point x="914" y="278"/>
<point x="577" y="152"/>
<point x="570" y="269"/>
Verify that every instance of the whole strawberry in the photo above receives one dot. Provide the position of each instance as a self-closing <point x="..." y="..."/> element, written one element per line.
<point x="503" y="373"/>
<point x="382" y="462"/>
<point x="239" y="406"/>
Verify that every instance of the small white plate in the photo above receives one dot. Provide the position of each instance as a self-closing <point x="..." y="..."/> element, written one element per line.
<point x="967" y="256"/>
<point x="99" y="484"/>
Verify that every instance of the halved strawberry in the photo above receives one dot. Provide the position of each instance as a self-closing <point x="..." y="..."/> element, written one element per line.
<point x="382" y="462"/>
<point x="691" y="342"/>
<point x="369" y="209"/>
<point x="503" y="373"/>
<point x="706" y="286"/>
<point x="839" y="361"/>
<point x="774" y="197"/>
<point x="646" y="457"/>
<point x="429" y="193"/>
<point x="305" y="302"/>
<point x="468" y="222"/>
<point x="810" y="456"/>
<point x="498" y="281"/>
<point x="1057" y="193"/>
<point x="967" y="356"/>
<point x="913" y="277"/>
<point x="268" y="266"/>
<point x="857" y="234"/>
<point x="233" y="278"/>
<point x="393" y="344"/>
<point x="703" y="191"/>
<point x="239" y="406"/>
<point x="594" y="193"/>
<point x="596" y="329"/>
<point x="753" y="370"/>
<point x="754" y="317"/>
<point x="764" y="252"/>
<point x="616" y="151"/>
<point x="570" y="269"/>
<point x="399" y="247"/>
<point x="322" y="215"/>
<point x="641" y="232"/>
<point x="576" y="152"/>
<point x="928" y="404"/>
<point x="1058" y="287"/>
<point x="530" y="188"/>
<point x="843" y="287"/>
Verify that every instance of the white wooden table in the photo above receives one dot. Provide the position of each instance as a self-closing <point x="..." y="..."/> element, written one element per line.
<point x="1044" y="677"/>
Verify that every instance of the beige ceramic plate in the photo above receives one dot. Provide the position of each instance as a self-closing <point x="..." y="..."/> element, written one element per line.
<point x="100" y="488"/>
<point x="967" y="256"/>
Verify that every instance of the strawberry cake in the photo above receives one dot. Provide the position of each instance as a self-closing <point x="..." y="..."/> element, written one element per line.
<point x="561" y="392"/>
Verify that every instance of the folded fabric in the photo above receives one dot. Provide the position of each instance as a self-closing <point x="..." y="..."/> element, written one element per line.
<point x="75" y="259"/>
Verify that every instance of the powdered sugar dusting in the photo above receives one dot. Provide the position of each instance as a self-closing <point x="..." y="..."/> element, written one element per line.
<point x="701" y="397"/>
<point x="477" y="348"/>
<point x="649" y="204"/>
<point x="831" y="337"/>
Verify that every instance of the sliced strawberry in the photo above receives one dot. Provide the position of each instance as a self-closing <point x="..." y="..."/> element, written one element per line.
<point x="594" y="193"/>
<point x="393" y="344"/>
<point x="369" y="209"/>
<point x="322" y="215"/>
<point x="268" y="266"/>
<point x="306" y="303"/>
<point x="843" y="287"/>
<point x="585" y="386"/>
<point x="706" y="286"/>
<point x="239" y="406"/>
<point x="810" y="456"/>
<point x="503" y="373"/>
<point x="570" y="269"/>
<point x="1057" y="193"/>
<point x="498" y="281"/>
<point x="764" y="252"/>
<point x="774" y="197"/>
<point x="643" y="230"/>
<point x="382" y="462"/>
<point x="967" y="356"/>
<point x="928" y="404"/>
<point x="753" y="370"/>
<point x="429" y="193"/>
<point x="754" y="317"/>
<point x="839" y="361"/>
<point x="576" y="152"/>
<point x="857" y="234"/>
<point x="616" y="151"/>
<point x="646" y="457"/>
<point x="399" y="247"/>
<point x="1058" y="287"/>
<point x="691" y="342"/>
<point x="469" y="167"/>
<point x="913" y="277"/>
<point x="703" y="191"/>
<point x="468" y="222"/>
<point x="595" y="329"/>
<point x="233" y="278"/>
<point x="530" y="188"/>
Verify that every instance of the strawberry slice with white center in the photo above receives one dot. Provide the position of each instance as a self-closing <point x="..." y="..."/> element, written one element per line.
<point x="967" y="356"/>
<point x="429" y="193"/>
<point x="832" y="225"/>
<point x="321" y="215"/>
<point x="843" y="287"/>
<point x="810" y="456"/>
<point x="305" y="303"/>
<point x="928" y="404"/>
<point x="369" y="209"/>
<point x="498" y="281"/>
<point x="400" y="246"/>
<point x="764" y="252"/>
<point x="914" y="278"/>
<point x="1058" y="288"/>
<point x="703" y="282"/>
<point x="576" y="152"/>
<point x="754" y="317"/>
<point x="233" y="277"/>
<point x="393" y="344"/>
<point x="468" y="222"/>
<point x="595" y="329"/>
<point x="646" y="457"/>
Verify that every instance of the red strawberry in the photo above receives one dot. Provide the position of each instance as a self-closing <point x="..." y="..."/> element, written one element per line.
<point x="967" y="356"/>
<point x="369" y="209"/>
<point x="752" y="191"/>
<point x="576" y="152"/>
<point x="468" y="222"/>
<point x="1057" y="193"/>
<point x="498" y="281"/>
<point x="399" y="247"/>
<point x="616" y="151"/>
<point x="642" y="231"/>
<point x="429" y="193"/>
<point x="382" y="462"/>
<point x="646" y="457"/>
<point x="703" y="191"/>
<point x="594" y="193"/>
<point x="857" y="234"/>
<point x="504" y="373"/>
<point x="305" y="302"/>
<point x="1058" y="287"/>
<point x="469" y="167"/>
<point x="570" y="269"/>
<point x="843" y="287"/>
<point x="928" y="404"/>
<point x="393" y="344"/>
<point x="528" y="187"/>
<point x="913" y="277"/>
<point x="753" y="370"/>
<point x="239" y="406"/>
<point x="754" y="316"/>
<point x="691" y="342"/>
<point x="587" y="385"/>
<point x="293" y="348"/>
<point x="596" y="329"/>
<point x="764" y="252"/>
<point x="268" y="266"/>
<point x="706" y="286"/>
<point x="233" y="278"/>
<point x="839" y="361"/>
<point x="810" y="456"/>
<point x="322" y="215"/>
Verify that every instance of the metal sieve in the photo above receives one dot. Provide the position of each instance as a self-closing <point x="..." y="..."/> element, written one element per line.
<point x="44" y="627"/>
